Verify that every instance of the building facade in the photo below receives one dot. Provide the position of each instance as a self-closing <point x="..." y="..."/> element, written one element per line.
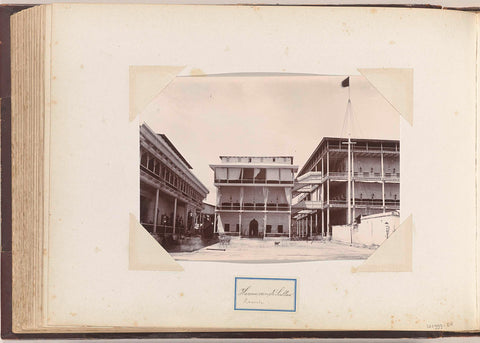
<point x="171" y="196"/>
<point x="254" y="195"/>
<point x="321" y="188"/>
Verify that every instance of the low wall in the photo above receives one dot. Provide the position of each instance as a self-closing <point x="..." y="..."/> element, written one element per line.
<point x="371" y="231"/>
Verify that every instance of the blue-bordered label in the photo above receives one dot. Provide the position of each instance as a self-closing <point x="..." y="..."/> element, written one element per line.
<point x="265" y="294"/>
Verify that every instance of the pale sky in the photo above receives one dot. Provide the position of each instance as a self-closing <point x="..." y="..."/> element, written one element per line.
<point x="206" y="117"/>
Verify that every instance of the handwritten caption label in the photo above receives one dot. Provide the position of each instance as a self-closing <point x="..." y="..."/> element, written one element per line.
<point x="265" y="294"/>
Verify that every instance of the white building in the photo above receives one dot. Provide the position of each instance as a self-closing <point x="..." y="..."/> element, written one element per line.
<point x="254" y="195"/>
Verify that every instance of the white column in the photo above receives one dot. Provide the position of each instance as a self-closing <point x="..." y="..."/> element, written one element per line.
<point x="328" y="221"/>
<point x="316" y="220"/>
<point x="265" y="223"/>
<point x="240" y="224"/>
<point x="155" y="214"/>
<point x="323" y="222"/>
<point x="328" y="192"/>
<point x="328" y="163"/>
<point x="174" y="215"/>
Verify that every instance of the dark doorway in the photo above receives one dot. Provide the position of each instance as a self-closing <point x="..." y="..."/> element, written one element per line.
<point x="253" y="228"/>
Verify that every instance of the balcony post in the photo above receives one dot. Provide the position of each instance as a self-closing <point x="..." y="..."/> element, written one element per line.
<point x="174" y="214"/>
<point x="328" y="220"/>
<point x="328" y="163"/>
<point x="328" y="192"/>
<point x="323" y="223"/>
<point x="240" y="224"/>
<point x="290" y="222"/>
<point x="316" y="221"/>
<point x="155" y="214"/>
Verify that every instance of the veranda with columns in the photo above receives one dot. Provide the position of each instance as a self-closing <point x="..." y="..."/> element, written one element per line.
<point x="171" y="197"/>
<point x="254" y="196"/>
<point x="321" y="193"/>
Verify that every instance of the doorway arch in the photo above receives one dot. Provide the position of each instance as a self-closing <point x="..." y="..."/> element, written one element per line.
<point x="253" y="228"/>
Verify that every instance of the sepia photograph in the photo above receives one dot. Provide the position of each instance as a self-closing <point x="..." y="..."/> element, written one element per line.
<point x="260" y="168"/>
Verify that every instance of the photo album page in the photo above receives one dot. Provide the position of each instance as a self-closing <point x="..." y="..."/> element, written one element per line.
<point x="229" y="168"/>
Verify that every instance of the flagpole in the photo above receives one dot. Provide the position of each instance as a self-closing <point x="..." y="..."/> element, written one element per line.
<point x="346" y="83"/>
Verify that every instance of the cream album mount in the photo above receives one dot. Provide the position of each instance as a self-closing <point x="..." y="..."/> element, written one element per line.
<point x="183" y="168"/>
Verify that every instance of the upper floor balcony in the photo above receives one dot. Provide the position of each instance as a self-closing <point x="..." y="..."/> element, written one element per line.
<point x="392" y="203"/>
<point x="253" y="181"/>
<point x="272" y="175"/>
<point x="367" y="176"/>
<point x="309" y="205"/>
<point x="232" y="206"/>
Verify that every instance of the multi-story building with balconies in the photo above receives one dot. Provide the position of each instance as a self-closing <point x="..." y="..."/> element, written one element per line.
<point x="171" y="196"/>
<point x="254" y="195"/>
<point x="321" y="187"/>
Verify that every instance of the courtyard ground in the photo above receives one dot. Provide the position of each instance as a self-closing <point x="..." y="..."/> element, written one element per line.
<point x="268" y="251"/>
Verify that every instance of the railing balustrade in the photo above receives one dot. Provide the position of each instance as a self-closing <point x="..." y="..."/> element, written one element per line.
<point x="161" y="229"/>
<point x="253" y="207"/>
<point x="254" y="181"/>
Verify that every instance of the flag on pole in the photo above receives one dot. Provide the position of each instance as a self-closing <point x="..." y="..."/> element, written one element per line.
<point x="346" y="82"/>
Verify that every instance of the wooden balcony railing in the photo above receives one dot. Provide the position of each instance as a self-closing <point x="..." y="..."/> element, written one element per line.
<point x="254" y="181"/>
<point x="253" y="207"/>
